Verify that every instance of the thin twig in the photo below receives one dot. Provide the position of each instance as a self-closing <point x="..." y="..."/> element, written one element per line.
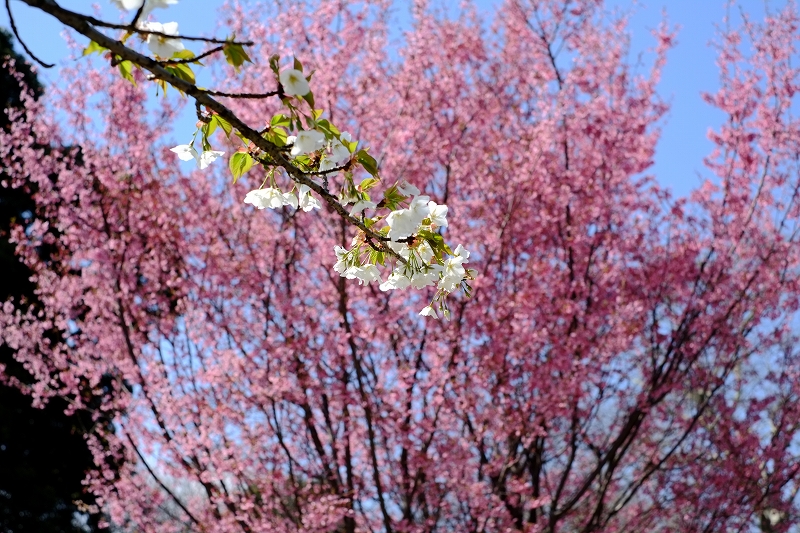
<point x="326" y="172"/>
<point x="19" y="39"/>
<point x="240" y="95"/>
<point x="192" y="59"/>
<point x="135" y="21"/>
<point x="134" y="29"/>
<point x="161" y="483"/>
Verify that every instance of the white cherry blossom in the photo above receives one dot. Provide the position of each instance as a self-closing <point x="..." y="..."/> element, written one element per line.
<point x="339" y="152"/>
<point x="290" y="199"/>
<point x="427" y="277"/>
<point x="361" y="205"/>
<point x="364" y="274"/>
<point x="438" y="214"/>
<point x="149" y="5"/>
<point x="407" y="189"/>
<point x="425" y="252"/>
<point x="208" y="157"/>
<point x="338" y="155"/>
<point x="419" y="207"/>
<point x="327" y="164"/>
<point x="306" y="202"/>
<point x="341" y="260"/>
<point x="454" y="271"/>
<point x="449" y="283"/>
<point x="307" y="141"/>
<point x="401" y="248"/>
<point x="395" y="281"/>
<point x="429" y="311"/>
<point x="462" y="252"/>
<point x="261" y="198"/>
<point x="294" y="83"/>
<point x="161" y="46"/>
<point x="128" y="5"/>
<point x="186" y="152"/>
<point x="404" y="223"/>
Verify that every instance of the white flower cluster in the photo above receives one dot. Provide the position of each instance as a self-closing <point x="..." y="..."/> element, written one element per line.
<point x="310" y="141"/>
<point x="273" y="198"/>
<point x="448" y="275"/>
<point x="423" y="267"/>
<point x="160" y="45"/>
<point x="410" y="226"/>
<point x="187" y="152"/>
<point x="304" y="143"/>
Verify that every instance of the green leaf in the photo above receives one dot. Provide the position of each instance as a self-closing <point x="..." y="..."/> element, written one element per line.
<point x="222" y="123"/>
<point x="376" y="257"/>
<point x="309" y="97"/>
<point x="368" y="183"/>
<point x="328" y="128"/>
<point x="239" y="164"/>
<point x="392" y="198"/>
<point x="280" y="120"/>
<point x="92" y="48"/>
<point x="163" y="85"/>
<point x="126" y="69"/>
<point x="209" y="128"/>
<point x="183" y="54"/>
<point x="182" y="71"/>
<point x="368" y="162"/>
<point x="303" y="160"/>
<point x="235" y="55"/>
<point x="276" y="136"/>
<point x="298" y="65"/>
<point x="431" y="237"/>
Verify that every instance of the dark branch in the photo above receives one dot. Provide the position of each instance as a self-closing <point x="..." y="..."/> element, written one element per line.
<point x="83" y="25"/>
<point x="19" y="39"/>
<point x="239" y="95"/>
<point x="192" y="59"/>
<point x="137" y="16"/>
<point x="161" y="483"/>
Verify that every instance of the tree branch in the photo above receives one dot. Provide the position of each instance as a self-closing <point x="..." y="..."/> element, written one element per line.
<point x="84" y="25"/>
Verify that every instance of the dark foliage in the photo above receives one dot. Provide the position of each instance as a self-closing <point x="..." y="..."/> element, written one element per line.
<point x="43" y="456"/>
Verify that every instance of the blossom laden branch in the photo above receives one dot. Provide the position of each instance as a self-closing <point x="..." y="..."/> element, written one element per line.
<point x="303" y="145"/>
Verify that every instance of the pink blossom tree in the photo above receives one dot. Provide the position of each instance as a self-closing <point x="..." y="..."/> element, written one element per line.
<point x="627" y="362"/>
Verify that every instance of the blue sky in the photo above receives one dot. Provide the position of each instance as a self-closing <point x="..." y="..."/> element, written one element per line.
<point x="690" y="68"/>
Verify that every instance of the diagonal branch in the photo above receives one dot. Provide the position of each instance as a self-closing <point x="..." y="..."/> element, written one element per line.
<point x="85" y="26"/>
